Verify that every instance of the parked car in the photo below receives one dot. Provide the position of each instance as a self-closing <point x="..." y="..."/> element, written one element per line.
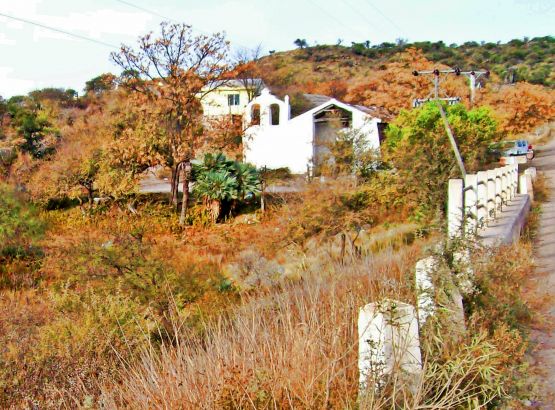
<point x="511" y="149"/>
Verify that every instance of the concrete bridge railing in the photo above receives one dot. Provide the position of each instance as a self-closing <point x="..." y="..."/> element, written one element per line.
<point x="475" y="202"/>
<point x="491" y="206"/>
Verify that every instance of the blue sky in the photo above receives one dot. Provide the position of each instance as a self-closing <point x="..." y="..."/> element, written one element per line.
<point x="32" y="57"/>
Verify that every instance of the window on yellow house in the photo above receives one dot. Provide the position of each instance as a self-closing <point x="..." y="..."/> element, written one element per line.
<point x="233" y="99"/>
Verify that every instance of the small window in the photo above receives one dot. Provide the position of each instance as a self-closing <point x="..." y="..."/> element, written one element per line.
<point x="274" y="111"/>
<point x="255" y="114"/>
<point x="233" y="99"/>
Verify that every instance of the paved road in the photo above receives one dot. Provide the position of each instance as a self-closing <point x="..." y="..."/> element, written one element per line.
<point x="545" y="261"/>
<point x="151" y="184"/>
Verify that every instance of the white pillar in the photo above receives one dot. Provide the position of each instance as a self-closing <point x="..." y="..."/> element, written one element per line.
<point x="504" y="185"/>
<point x="455" y="208"/>
<point x="526" y="186"/>
<point x="470" y="203"/>
<point x="514" y="180"/>
<point x="425" y="293"/>
<point x="388" y="339"/>
<point x="482" y="197"/>
<point x="532" y="172"/>
<point x="491" y="175"/>
<point x="498" y="190"/>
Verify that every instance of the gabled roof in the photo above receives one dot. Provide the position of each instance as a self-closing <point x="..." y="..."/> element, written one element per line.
<point x="316" y="99"/>
<point x="319" y="102"/>
<point x="240" y="83"/>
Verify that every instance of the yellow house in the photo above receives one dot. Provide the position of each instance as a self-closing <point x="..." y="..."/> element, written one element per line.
<point x="231" y="98"/>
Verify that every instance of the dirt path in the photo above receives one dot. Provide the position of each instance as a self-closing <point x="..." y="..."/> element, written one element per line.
<point x="545" y="260"/>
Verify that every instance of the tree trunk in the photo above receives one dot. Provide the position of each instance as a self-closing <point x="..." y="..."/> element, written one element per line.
<point x="185" y="202"/>
<point x="215" y="206"/>
<point x="175" y="185"/>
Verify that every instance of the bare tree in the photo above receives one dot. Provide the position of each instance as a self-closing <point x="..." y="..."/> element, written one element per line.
<point x="175" y="71"/>
<point x="248" y="71"/>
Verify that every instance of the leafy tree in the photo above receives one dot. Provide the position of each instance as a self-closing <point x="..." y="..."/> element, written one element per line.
<point x="174" y="72"/>
<point x="35" y="133"/>
<point x="301" y="43"/>
<point x="418" y="149"/>
<point x="521" y="107"/>
<point x="100" y="84"/>
<point x="65" y="97"/>
<point x="20" y="229"/>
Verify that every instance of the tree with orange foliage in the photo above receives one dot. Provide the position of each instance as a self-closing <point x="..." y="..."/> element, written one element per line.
<point x="520" y="107"/>
<point x="174" y="72"/>
<point x="394" y="87"/>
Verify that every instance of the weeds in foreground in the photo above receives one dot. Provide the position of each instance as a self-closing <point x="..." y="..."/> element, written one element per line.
<point x="296" y="346"/>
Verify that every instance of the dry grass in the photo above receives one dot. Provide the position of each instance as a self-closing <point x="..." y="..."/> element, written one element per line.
<point x="293" y="348"/>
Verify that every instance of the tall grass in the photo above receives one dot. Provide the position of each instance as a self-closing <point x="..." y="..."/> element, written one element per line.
<point x="295" y="346"/>
<point x="291" y="348"/>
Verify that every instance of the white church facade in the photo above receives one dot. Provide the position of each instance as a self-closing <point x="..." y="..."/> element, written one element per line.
<point x="273" y="139"/>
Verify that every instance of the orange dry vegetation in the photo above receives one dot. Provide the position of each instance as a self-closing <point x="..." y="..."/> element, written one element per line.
<point x="390" y="85"/>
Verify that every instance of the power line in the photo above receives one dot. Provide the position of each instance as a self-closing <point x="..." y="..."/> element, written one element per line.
<point x="79" y="36"/>
<point x="331" y="16"/>
<point x="401" y="31"/>
<point x="359" y="13"/>
<point x="155" y="13"/>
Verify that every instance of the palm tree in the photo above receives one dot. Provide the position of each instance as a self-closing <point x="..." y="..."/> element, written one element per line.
<point x="214" y="187"/>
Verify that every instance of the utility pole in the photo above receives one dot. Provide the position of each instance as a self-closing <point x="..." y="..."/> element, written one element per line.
<point x="435" y="80"/>
<point x="472" y="76"/>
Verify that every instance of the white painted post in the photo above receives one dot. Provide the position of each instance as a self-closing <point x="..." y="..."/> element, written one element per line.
<point x="491" y="175"/>
<point x="514" y="180"/>
<point x="482" y="197"/>
<point x="498" y="190"/>
<point x="455" y="208"/>
<point x="470" y="203"/>
<point x="532" y="172"/>
<point x="504" y="185"/>
<point x="523" y="185"/>
<point x="526" y="186"/>
<point x="425" y="293"/>
<point x="388" y="341"/>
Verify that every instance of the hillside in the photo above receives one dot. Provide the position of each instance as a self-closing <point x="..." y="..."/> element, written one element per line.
<point x="518" y="60"/>
<point x="380" y="75"/>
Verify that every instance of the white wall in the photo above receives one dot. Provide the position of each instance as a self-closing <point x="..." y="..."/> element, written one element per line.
<point x="290" y="144"/>
<point x="275" y="146"/>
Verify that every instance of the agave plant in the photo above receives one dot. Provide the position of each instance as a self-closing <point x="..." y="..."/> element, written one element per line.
<point x="214" y="187"/>
<point x="248" y="180"/>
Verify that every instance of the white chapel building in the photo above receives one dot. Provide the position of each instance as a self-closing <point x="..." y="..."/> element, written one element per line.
<point x="273" y="139"/>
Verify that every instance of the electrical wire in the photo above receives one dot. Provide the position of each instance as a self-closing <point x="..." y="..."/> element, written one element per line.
<point x="334" y="18"/>
<point x="155" y="13"/>
<point x="401" y="31"/>
<point x="79" y="36"/>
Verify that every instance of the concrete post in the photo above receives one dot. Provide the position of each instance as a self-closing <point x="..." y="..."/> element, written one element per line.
<point x="482" y="197"/>
<point x="504" y="185"/>
<point x="491" y="175"/>
<point x="388" y="341"/>
<point x="455" y="207"/>
<point x="470" y="204"/>
<point x="526" y="186"/>
<point x="498" y="190"/>
<point x="532" y="172"/>
<point x="514" y="181"/>
<point x="425" y="293"/>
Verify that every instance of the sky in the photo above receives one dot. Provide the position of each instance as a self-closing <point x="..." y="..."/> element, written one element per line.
<point x="33" y="57"/>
